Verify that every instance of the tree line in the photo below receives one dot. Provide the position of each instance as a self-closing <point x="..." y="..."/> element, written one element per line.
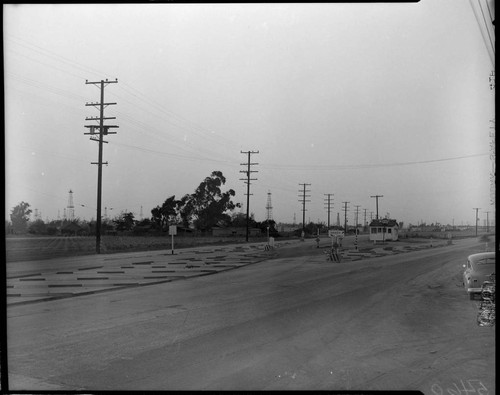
<point x="208" y="206"/>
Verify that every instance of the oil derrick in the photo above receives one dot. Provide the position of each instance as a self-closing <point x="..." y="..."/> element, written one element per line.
<point x="269" y="207"/>
<point x="71" y="207"/>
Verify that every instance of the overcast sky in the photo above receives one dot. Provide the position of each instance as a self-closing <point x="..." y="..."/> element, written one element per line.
<point x="354" y="99"/>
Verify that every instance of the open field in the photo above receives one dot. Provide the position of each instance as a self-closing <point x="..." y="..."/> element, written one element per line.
<point x="25" y="248"/>
<point x="43" y="247"/>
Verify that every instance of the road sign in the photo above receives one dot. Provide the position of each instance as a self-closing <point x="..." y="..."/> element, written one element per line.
<point x="172" y="230"/>
<point x="336" y="233"/>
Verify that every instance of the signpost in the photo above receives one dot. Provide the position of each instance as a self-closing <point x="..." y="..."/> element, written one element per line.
<point x="337" y="234"/>
<point x="172" y="230"/>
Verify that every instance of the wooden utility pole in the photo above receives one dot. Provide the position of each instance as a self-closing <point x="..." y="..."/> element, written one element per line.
<point x="98" y="137"/>
<point x="329" y="206"/>
<point x="303" y="200"/>
<point x="376" y="198"/>
<point x="345" y="217"/>
<point x="357" y="216"/>
<point x="477" y="218"/>
<point x="247" y="181"/>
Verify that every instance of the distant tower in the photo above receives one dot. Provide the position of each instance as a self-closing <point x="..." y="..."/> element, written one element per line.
<point x="141" y="215"/>
<point x="71" y="207"/>
<point x="269" y="207"/>
<point x="36" y="214"/>
<point x="338" y="219"/>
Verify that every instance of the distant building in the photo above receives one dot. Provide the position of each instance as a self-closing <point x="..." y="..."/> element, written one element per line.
<point x="384" y="230"/>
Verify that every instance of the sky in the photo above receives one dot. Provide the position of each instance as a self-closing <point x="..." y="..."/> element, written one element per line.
<point x="353" y="100"/>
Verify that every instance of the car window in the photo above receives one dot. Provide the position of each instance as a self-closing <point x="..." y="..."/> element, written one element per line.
<point x="486" y="261"/>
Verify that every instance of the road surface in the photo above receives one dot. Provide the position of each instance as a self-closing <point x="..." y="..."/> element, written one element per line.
<point x="296" y="322"/>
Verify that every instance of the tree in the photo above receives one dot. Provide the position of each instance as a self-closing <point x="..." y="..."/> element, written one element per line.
<point x="38" y="227"/>
<point x="239" y="220"/>
<point x="19" y="216"/>
<point x="208" y="205"/>
<point x="124" y="222"/>
<point x="268" y="223"/>
<point x="166" y="213"/>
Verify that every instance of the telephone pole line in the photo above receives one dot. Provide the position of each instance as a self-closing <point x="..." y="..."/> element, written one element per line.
<point x="98" y="137"/>
<point x="329" y="206"/>
<point x="303" y="201"/>
<point x="357" y="216"/>
<point x="376" y="198"/>
<point x="247" y="181"/>
<point x="477" y="218"/>
<point x="345" y="217"/>
<point x="487" y="221"/>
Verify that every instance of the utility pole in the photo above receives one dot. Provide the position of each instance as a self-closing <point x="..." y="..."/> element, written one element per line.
<point x="303" y="201"/>
<point x="329" y="206"/>
<point x="487" y="221"/>
<point x="357" y="216"/>
<point x="103" y="130"/>
<point x="364" y="222"/>
<point x="376" y="198"/>
<point x="477" y="209"/>
<point x="345" y="217"/>
<point x="247" y="181"/>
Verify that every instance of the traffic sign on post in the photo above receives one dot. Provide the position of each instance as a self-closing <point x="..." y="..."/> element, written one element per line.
<point x="172" y="230"/>
<point x="336" y="233"/>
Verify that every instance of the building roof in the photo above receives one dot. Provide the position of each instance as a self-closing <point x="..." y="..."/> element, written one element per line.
<point x="385" y="222"/>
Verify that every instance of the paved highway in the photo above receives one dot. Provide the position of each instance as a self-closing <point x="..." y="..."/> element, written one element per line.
<point x="295" y="322"/>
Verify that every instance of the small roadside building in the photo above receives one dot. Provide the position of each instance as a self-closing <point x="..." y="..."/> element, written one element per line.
<point x="384" y="230"/>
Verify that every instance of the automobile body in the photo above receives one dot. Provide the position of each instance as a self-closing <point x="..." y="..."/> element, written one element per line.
<point x="478" y="269"/>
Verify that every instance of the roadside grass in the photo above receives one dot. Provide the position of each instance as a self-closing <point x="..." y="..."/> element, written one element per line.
<point x="29" y="247"/>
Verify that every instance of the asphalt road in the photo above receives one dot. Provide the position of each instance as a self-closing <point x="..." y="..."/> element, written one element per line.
<point x="296" y="322"/>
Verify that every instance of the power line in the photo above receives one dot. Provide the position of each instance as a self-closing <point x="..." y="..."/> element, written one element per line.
<point x="367" y="165"/>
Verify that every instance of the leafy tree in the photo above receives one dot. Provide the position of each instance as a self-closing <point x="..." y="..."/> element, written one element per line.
<point x="8" y="227"/>
<point x="239" y="220"/>
<point x="19" y="216"/>
<point x="208" y="205"/>
<point x="166" y="213"/>
<point x="38" y="227"/>
<point x="124" y="222"/>
<point x="143" y="226"/>
<point x="273" y="232"/>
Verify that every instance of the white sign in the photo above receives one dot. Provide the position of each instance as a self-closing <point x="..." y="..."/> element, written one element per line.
<point x="172" y="230"/>
<point x="336" y="233"/>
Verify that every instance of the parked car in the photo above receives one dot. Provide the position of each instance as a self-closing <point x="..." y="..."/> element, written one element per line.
<point x="478" y="269"/>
